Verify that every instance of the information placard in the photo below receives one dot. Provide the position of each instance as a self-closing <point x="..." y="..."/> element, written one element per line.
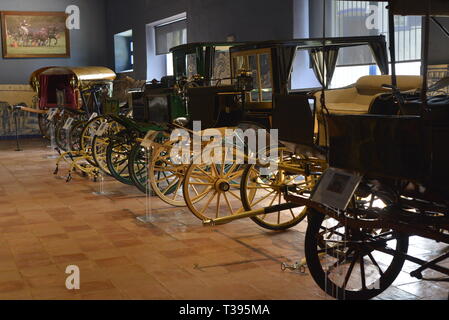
<point x="336" y="188"/>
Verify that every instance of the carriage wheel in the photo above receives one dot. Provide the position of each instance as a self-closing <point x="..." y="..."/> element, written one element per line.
<point x="61" y="135"/>
<point x="261" y="190"/>
<point x="167" y="177"/>
<point x="88" y="133"/>
<point x="139" y="163"/>
<point x="74" y="136"/>
<point x="212" y="190"/>
<point x="139" y="158"/>
<point x="352" y="263"/>
<point x="44" y="126"/>
<point x="100" y="144"/>
<point x="117" y="156"/>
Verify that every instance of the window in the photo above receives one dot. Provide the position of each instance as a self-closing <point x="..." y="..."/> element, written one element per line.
<point x="170" y="35"/>
<point x="163" y="35"/>
<point x="124" y="51"/>
<point x="362" y="18"/>
<point x="131" y="53"/>
<point x="258" y="63"/>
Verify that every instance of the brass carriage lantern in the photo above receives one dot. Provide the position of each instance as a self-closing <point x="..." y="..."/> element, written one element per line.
<point x="36" y="85"/>
<point x="198" y="77"/>
<point x="73" y="83"/>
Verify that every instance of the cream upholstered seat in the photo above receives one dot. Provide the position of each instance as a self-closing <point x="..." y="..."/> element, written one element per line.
<point x="358" y="98"/>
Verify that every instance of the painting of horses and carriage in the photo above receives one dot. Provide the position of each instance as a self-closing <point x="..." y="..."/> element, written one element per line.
<point x="35" y="34"/>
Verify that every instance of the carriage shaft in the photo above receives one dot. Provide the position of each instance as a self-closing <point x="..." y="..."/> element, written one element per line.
<point x="252" y="213"/>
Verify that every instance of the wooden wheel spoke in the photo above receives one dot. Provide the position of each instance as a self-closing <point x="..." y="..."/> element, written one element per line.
<point x="201" y="183"/>
<point x="218" y="205"/>
<point x="228" y="203"/>
<point x="235" y="175"/>
<point x="234" y="195"/>
<point x="171" y="185"/>
<point x="177" y="189"/>
<point x="205" y="173"/>
<point x="376" y="264"/>
<point x="165" y="178"/>
<point x="362" y="272"/>
<point x="348" y="274"/>
<point x="208" y="202"/>
<point x="291" y="212"/>
<point x="263" y="198"/>
<point x="338" y="262"/>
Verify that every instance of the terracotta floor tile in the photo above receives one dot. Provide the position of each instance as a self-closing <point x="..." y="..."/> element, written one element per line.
<point x="47" y="224"/>
<point x="111" y="262"/>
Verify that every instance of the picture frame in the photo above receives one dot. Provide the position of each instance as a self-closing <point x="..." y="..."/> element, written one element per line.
<point x="30" y="34"/>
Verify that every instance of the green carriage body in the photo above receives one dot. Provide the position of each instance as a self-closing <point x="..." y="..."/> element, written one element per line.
<point x="202" y="64"/>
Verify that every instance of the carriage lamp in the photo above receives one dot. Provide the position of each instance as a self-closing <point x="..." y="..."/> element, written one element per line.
<point x="73" y="83"/>
<point x="244" y="80"/>
<point x="181" y="122"/>
<point x="198" y="78"/>
<point x="36" y="85"/>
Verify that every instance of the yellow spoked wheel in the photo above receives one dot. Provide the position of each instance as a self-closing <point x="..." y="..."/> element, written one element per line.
<point x="100" y="145"/>
<point x="166" y="174"/>
<point x="261" y="189"/>
<point x="88" y="133"/>
<point x="212" y="190"/>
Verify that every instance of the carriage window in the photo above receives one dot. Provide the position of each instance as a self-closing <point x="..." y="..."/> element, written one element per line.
<point x="191" y="66"/>
<point x="265" y="77"/>
<point x="260" y="67"/>
<point x="253" y="68"/>
<point x="222" y="66"/>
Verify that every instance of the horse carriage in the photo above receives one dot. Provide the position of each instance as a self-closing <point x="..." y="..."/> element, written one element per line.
<point x="156" y="107"/>
<point x="72" y="89"/>
<point x="386" y="182"/>
<point x="269" y="104"/>
<point x="66" y="98"/>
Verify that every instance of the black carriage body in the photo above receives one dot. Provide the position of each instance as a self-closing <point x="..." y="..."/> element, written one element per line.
<point x="410" y="148"/>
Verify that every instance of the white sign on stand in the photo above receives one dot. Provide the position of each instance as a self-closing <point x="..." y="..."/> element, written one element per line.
<point x="102" y="129"/>
<point x="68" y="124"/>
<point x="51" y="113"/>
<point x="94" y="115"/>
<point x="336" y="188"/>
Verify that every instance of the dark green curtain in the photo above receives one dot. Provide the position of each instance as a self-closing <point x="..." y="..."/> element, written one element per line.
<point x="330" y="56"/>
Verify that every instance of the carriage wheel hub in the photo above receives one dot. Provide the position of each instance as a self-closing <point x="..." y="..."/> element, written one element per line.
<point x="222" y="185"/>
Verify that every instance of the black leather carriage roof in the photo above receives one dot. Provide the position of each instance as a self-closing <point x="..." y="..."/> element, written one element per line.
<point x="417" y="7"/>
<point x="310" y="43"/>
<point x="193" y="45"/>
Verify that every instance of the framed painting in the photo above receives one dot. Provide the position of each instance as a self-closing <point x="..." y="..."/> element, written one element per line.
<point x="35" y="34"/>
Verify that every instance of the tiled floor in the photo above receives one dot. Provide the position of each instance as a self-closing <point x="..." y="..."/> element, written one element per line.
<point x="47" y="224"/>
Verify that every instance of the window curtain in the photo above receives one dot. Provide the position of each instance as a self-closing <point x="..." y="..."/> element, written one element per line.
<point x="286" y="56"/>
<point x="380" y="54"/>
<point x="328" y="60"/>
<point x="170" y="35"/>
